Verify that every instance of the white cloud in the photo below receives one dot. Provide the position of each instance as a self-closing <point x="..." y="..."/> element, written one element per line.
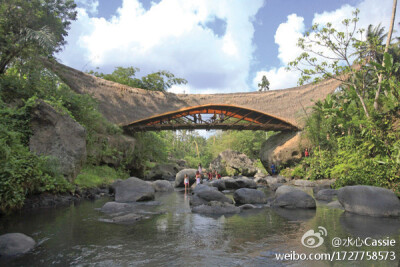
<point x="369" y="14"/>
<point x="286" y="37"/>
<point x="288" y="33"/>
<point x="89" y="5"/>
<point x="279" y="78"/>
<point x="170" y="35"/>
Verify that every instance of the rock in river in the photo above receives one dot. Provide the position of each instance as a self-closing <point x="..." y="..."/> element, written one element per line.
<point x="215" y="207"/>
<point x="249" y="196"/>
<point x="220" y="184"/>
<point x="127" y="218"/>
<point x="294" y="199"/>
<point x="13" y="244"/>
<point x="201" y="187"/>
<point x="369" y="200"/>
<point x="205" y="196"/>
<point x="181" y="175"/>
<point x="326" y="194"/>
<point x="284" y="189"/>
<point x="133" y="189"/>
<point x="116" y="207"/>
<point x="162" y="186"/>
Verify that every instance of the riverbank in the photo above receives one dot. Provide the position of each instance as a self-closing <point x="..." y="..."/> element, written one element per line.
<point x="48" y="201"/>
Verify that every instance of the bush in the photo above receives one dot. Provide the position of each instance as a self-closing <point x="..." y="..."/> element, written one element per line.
<point x="23" y="173"/>
<point x="298" y="172"/>
<point x="320" y="165"/>
<point x="95" y="176"/>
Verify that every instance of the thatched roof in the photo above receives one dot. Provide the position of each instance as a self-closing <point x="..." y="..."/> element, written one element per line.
<point x="124" y="105"/>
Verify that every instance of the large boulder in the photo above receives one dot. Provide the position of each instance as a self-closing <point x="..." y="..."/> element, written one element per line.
<point x="231" y="184"/>
<point x="58" y="136"/>
<point x="13" y="244"/>
<point x="326" y="194"/>
<point x="304" y="183"/>
<point x="323" y="184"/>
<point x="369" y="200"/>
<point x="205" y="196"/>
<point x="246" y="183"/>
<point x="219" y="184"/>
<point x="165" y="171"/>
<point x="285" y="189"/>
<point x="282" y="149"/>
<point x="202" y="187"/>
<point x="249" y="196"/>
<point x="133" y="189"/>
<point x="216" y="207"/>
<point x="294" y="199"/>
<point x="232" y="163"/>
<point x="275" y="179"/>
<point x="181" y="175"/>
<point x="162" y="186"/>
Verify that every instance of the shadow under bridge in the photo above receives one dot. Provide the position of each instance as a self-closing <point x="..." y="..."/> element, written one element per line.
<point x="210" y="117"/>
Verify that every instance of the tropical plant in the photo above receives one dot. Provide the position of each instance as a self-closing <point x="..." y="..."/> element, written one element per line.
<point x="32" y="28"/>
<point x="157" y="81"/>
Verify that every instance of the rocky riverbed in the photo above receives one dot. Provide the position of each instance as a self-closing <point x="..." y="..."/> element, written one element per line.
<point x="236" y="202"/>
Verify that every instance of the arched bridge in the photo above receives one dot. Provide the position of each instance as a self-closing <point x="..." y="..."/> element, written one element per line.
<point x="141" y="110"/>
<point x="222" y="117"/>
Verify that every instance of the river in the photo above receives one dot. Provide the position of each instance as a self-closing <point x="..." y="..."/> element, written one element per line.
<point x="80" y="236"/>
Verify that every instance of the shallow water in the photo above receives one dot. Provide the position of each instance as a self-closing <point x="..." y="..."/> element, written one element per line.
<point x="77" y="236"/>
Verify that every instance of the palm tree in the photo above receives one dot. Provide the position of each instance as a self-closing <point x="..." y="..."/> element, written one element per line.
<point x="376" y="103"/>
<point x="374" y="42"/>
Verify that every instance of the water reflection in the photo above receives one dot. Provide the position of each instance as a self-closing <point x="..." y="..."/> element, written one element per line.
<point x="366" y="226"/>
<point x="295" y="214"/>
<point x="177" y="237"/>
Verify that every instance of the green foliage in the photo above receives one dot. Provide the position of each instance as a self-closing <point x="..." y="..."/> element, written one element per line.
<point x="157" y="81"/>
<point x="298" y="172"/>
<point x="247" y="142"/>
<point x="32" y="28"/>
<point x="319" y="165"/>
<point x="21" y="172"/>
<point x="260" y="166"/>
<point x="95" y="176"/>
<point x="352" y="130"/>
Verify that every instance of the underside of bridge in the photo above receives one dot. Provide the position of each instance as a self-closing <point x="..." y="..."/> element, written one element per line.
<point x="211" y="116"/>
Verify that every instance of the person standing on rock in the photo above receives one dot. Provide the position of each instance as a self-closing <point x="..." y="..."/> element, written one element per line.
<point x="200" y="169"/>
<point x="186" y="182"/>
<point x="198" y="177"/>
<point x="217" y="175"/>
<point x="273" y="169"/>
<point x="306" y="154"/>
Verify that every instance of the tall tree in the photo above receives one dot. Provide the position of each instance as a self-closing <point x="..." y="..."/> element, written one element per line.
<point x="389" y="37"/>
<point x="264" y="85"/>
<point x="35" y="27"/>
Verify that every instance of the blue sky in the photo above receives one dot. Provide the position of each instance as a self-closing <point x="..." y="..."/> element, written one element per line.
<point x="219" y="46"/>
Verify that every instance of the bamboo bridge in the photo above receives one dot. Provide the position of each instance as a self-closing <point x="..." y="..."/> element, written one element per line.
<point x="142" y="110"/>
